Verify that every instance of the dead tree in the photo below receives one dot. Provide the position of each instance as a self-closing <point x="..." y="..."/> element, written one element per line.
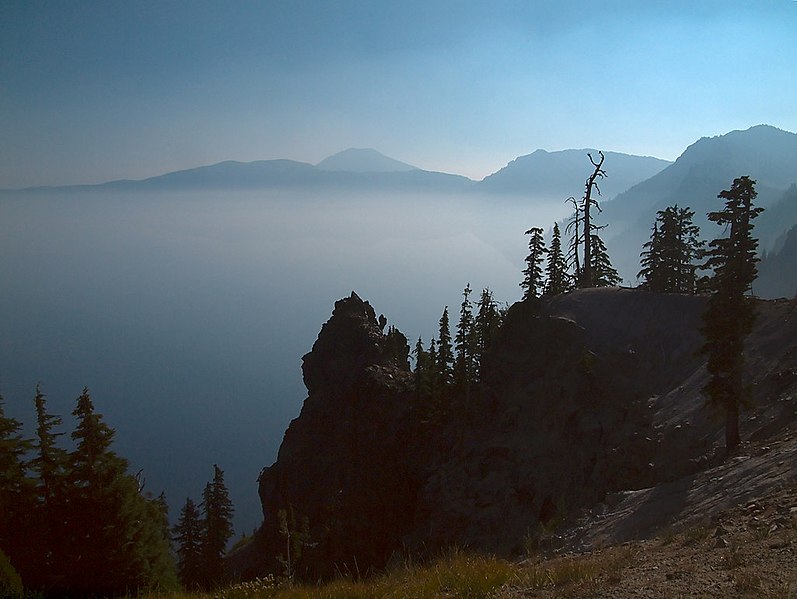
<point x="587" y="278"/>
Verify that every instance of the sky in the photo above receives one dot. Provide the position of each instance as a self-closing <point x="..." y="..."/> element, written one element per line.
<point x="96" y="91"/>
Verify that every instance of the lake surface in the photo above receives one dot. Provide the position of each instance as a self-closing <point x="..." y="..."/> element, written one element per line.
<point x="187" y="314"/>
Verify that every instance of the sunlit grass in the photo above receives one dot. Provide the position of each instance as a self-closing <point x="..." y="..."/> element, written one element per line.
<point x="457" y="574"/>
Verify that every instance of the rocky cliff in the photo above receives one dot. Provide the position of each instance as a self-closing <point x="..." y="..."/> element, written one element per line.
<point x="593" y="393"/>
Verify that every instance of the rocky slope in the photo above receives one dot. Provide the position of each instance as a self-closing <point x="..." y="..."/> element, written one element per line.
<point x="585" y="398"/>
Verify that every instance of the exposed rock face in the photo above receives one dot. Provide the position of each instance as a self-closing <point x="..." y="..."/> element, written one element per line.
<point x="592" y="393"/>
<point x="346" y="462"/>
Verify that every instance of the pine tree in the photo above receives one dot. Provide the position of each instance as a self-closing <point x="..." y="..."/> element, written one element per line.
<point x="464" y="345"/>
<point x="118" y="540"/>
<point x="667" y="259"/>
<point x="486" y="325"/>
<point x="603" y="273"/>
<point x="17" y="498"/>
<point x="558" y="279"/>
<point x="48" y="532"/>
<point x="729" y="316"/>
<point x="188" y="534"/>
<point x="532" y="282"/>
<point x="445" y="352"/>
<point x="217" y="516"/>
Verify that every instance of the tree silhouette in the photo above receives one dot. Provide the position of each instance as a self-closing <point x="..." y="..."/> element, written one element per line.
<point x="532" y="282"/>
<point x="668" y="258"/>
<point x="587" y="275"/>
<point x="603" y="273"/>
<point x="464" y="345"/>
<point x="445" y="352"/>
<point x="729" y="316"/>
<point x="118" y="540"/>
<point x="217" y="516"/>
<point x="48" y="531"/>
<point x="17" y="491"/>
<point x="558" y="279"/>
<point x="188" y="534"/>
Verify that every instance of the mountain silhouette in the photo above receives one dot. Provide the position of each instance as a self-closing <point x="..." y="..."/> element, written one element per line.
<point x="706" y="167"/>
<point x="363" y="160"/>
<point x="558" y="175"/>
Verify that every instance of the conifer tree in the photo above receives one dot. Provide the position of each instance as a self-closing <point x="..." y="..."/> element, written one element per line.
<point x="48" y="532"/>
<point x="188" y="534"/>
<point x="558" y="279"/>
<point x="445" y="352"/>
<point x="532" y="282"/>
<point x="667" y="260"/>
<point x="486" y="325"/>
<point x="603" y="273"/>
<point x="17" y="499"/>
<point x="118" y="541"/>
<point x="217" y="516"/>
<point x="433" y="384"/>
<point x="464" y="344"/>
<point x="730" y="315"/>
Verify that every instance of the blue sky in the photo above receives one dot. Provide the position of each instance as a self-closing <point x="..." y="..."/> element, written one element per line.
<point x="93" y="91"/>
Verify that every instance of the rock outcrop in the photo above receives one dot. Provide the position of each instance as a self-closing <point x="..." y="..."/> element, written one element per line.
<point x="583" y="397"/>
<point x="347" y="463"/>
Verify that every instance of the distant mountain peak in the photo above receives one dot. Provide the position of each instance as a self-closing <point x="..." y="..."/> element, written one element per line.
<point x="363" y="160"/>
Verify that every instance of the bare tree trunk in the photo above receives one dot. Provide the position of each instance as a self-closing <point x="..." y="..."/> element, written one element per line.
<point x="588" y="278"/>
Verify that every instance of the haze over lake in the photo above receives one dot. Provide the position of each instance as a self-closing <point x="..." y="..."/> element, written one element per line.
<point x="187" y="314"/>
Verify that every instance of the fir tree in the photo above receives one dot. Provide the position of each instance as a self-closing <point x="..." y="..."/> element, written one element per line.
<point x="445" y="352"/>
<point x="188" y="534"/>
<point x="558" y="279"/>
<point x="603" y="273"/>
<point x="668" y="259"/>
<point x="464" y="345"/>
<point x="532" y="283"/>
<point x="17" y="498"/>
<point x="48" y="532"/>
<point x="486" y="325"/>
<point x="118" y="541"/>
<point x="729" y="316"/>
<point x="217" y="516"/>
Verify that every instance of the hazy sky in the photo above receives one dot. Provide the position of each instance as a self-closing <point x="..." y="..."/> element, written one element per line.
<point x="92" y="91"/>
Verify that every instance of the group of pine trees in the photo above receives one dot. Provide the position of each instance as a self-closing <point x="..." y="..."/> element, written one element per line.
<point x="201" y="535"/>
<point x="586" y="263"/>
<point x="76" y="523"/>
<point x="670" y="261"/>
<point x="453" y="365"/>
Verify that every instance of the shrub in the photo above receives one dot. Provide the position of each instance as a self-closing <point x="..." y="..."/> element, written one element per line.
<point x="10" y="582"/>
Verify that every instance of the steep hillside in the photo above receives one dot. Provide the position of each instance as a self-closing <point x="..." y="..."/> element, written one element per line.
<point x="777" y="273"/>
<point x="559" y="175"/>
<point x="707" y="167"/>
<point x="585" y="397"/>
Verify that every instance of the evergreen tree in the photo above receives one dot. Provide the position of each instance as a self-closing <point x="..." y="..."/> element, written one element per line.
<point x="432" y="375"/>
<point x="217" y="511"/>
<point x="532" y="283"/>
<point x="422" y="369"/>
<point x="48" y="532"/>
<point x="17" y="499"/>
<point x="188" y="534"/>
<point x="117" y="536"/>
<point x="445" y="353"/>
<point x="603" y="273"/>
<point x="558" y="279"/>
<point x="464" y="345"/>
<point x="667" y="260"/>
<point x="729" y="316"/>
<point x="486" y="324"/>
